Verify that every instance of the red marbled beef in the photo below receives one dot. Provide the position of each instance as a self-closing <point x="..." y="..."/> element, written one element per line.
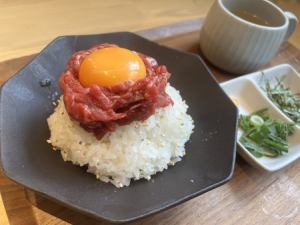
<point x="101" y="110"/>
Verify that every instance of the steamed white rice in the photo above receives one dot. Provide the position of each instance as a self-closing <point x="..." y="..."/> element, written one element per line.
<point x="134" y="151"/>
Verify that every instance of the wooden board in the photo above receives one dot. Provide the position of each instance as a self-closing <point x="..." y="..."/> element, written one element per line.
<point x="28" y="25"/>
<point x="251" y="197"/>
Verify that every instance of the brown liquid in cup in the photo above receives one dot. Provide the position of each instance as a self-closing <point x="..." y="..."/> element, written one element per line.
<point x="251" y="17"/>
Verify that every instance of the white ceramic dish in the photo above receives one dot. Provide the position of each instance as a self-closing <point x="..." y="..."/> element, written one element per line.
<point x="248" y="94"/>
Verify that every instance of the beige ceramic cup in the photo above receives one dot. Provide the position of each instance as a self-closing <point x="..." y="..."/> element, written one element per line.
<point x="239" y="46"/>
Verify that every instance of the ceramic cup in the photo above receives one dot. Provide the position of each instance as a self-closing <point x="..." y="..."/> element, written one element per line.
<point x="239" y="45"/>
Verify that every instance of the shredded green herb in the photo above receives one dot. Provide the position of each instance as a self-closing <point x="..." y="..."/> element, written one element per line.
<point x="284" y="99"/>
<point x="264" y="136"/>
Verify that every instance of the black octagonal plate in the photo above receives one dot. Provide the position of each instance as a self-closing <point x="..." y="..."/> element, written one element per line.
<point x="27" y="158"/>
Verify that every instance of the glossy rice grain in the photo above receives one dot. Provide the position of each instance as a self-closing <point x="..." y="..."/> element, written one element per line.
<point x="134" y="151"/>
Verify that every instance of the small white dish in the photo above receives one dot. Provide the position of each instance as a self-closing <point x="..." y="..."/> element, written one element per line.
<point x="248" y="94"/>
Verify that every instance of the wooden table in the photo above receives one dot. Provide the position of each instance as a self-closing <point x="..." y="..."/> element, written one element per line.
<point x="251" y="197"/>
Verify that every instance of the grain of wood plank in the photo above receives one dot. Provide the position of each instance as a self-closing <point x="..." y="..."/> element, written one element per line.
<point x="27" y="26"/>
<point x="3" y="215"/>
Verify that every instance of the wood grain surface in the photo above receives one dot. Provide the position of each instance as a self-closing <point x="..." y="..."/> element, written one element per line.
<point x="28" y="25"/>
<point x="251" y="197"/>
<point x="3" y="215"/>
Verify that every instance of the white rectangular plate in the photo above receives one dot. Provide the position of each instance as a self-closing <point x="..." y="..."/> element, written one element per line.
<point x="248" y="94"/>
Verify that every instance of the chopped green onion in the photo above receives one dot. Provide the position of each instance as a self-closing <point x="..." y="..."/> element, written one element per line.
<point x="264" y="136"/>
<point x="256" y="121"/>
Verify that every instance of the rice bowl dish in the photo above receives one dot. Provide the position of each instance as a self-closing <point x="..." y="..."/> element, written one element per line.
<point x="118" y="115"/>
<point x="134" y="151"/>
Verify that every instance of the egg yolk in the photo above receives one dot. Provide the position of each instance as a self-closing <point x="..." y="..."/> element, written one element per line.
<point x="111" y="66"/>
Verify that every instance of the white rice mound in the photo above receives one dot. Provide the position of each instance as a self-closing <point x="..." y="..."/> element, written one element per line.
<point x="134" y="151"/>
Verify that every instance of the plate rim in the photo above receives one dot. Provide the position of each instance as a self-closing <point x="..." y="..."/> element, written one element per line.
<point x="249" y="156"/>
